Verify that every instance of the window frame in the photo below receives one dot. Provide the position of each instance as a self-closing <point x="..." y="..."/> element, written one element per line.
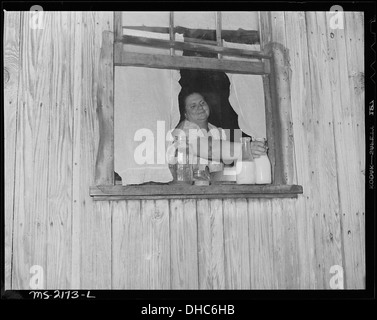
<point x="272" y="66"/>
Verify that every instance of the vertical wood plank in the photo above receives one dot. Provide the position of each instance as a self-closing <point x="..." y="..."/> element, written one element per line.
<point x="210" y="244"/>
<point x="270" y="95"/>
<point x="171" y="31"/>
<point x="121" y="226"/>
<point x="324" y="170"/>
<point x="285" y="244"/>
<point x="296" y="40"/>
<point x="278" y="243"/>
<point x="261" y="244"/>
<point x="155" y="248"/>
<point x="92" y="26"/>
<point x="270" y="100"/>
<point x="160" y="263"/>
<point x="283" y="115"/>
<point x="146" y="253"/>
<point x="97" y="252"/>
<point x="351" y="179"/>
<point x="217" y="244"/>
<point x="183" y="245"/>
<point x="291" y="253"/>
<point x="11" y="83"/>
<point x="118" y="30"/>
<point x="140" y="245"/>
<point x="118" y="34"/>
<point x="265" y="33"/>
<point x="60" y="156"/>
<point x="130" y="268"/>
<point x="278" y="32"/>
<point x="31" y="180"/>
<point x="204" y="244"/>
<point x="76" y="80"/>
<point x="105" y="112"/>
<point x="354" y="36"/>
<point x="236" y="240"/>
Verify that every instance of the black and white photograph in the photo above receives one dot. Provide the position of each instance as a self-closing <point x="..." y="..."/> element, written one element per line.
<point x="187" y="151"/>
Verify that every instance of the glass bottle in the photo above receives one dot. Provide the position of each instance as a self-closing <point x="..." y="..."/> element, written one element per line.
<point x="181" y="166"/>
<point x="201" y="175"/>
<point x="262" y="167"/>
<point x="245" y="168"/>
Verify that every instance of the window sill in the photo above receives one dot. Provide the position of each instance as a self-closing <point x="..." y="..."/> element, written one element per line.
<point x="179" y="191"/>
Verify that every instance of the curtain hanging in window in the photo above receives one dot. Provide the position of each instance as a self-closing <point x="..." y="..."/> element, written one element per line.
<point x="146" y="108"/>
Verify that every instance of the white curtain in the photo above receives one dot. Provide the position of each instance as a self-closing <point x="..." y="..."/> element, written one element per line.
<point x="247" y="100"/>
<point x="247" y="96"/>
<point x="146" y="108"/>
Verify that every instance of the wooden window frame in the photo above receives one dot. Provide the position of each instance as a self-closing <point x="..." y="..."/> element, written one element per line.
<point x="272" y="65"/>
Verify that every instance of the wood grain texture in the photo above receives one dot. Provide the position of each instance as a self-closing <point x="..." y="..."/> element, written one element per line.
<point x="119" y="192"/>
<point x="290" y="251"/>
<point x="59" y="223"/>
<point x="31" y="176"/>
<point x="183" y="245"/>
<point x="96" y="248"/>
<point x="77" y="192"/>
<point x="277" y="88"/>
<point x="265" y="28"/>
<point x="140" y="245"/>
<point x="211" y="244"/>
<point x="283" y="75"/>
<point x="161" y="261"/>
<point x="91" y="28"/>
<point x="118" y="31"/>
<point x="186" y="62"/>
<point x="197" y="47"/>
<point x="351" y="180"/>
<point x="262" y="269"/>
<point x="236" y="242"/>
<point x="325" y="206"/>
<point x="269" y="101"/>
<point x="301" y="99"/>
<point x="355" y="39"/>
<point x="105" y="112"/>
<point x="11" y="85"/>
<point x="130" y="267"/>
<point x="120" y="230"/>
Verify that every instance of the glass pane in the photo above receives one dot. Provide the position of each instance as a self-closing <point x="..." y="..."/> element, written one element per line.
<point x="233" y="20"/>
<point x="199" y="25"/>
<point x="146" y="18"/>
<point x="195" y="19"/>
<point x="240" y="30"/>
<point x="146" y="24"/>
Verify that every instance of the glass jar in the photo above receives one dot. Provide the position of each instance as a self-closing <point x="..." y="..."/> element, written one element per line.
<point x="181" y="164"/>
<point x="201" y="175"/>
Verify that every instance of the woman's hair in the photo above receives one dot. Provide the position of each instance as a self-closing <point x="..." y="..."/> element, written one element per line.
<point x="185" y="92"/>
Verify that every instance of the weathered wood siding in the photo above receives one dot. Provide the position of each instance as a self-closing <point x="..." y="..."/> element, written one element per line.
<point x="51" y="141"/>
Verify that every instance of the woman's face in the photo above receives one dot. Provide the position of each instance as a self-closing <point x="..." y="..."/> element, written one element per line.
<point x="197" y="109"/>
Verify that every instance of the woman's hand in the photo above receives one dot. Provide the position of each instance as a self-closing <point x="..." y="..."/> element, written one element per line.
<point x="258" y="148"/>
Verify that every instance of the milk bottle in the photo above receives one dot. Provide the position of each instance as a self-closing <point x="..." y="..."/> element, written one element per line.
<point x="262" y="167"/>
<point x="245" y="167"/>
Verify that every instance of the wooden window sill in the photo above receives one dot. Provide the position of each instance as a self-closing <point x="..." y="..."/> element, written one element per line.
<point x="179" y="191"/>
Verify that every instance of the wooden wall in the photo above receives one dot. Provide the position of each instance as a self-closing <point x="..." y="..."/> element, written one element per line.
<point x="51" y="140"/>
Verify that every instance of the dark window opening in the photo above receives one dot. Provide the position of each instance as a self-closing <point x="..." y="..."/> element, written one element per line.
<point x="214" y="86"/>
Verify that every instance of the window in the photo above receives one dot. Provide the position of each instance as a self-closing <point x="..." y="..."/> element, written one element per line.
<point x="227" y="43"/>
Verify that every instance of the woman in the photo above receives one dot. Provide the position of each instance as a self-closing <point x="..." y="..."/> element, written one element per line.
<point x="194" y="124"/>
